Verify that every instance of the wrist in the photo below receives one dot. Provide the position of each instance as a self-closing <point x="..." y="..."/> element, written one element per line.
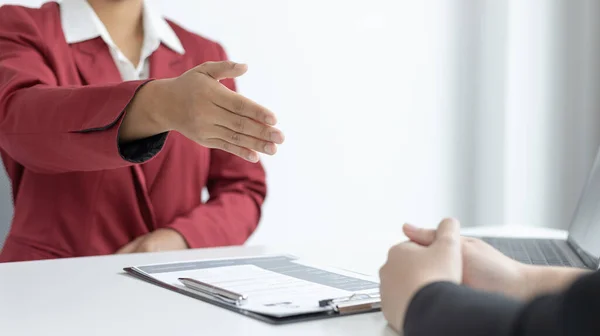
<point x="145" y="117"/>
<point x="530" y="280"/>
<point x="544" y="279"/>
<point x="155" y="99"/>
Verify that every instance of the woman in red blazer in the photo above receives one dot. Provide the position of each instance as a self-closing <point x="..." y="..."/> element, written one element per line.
<point x="112" y="121"/>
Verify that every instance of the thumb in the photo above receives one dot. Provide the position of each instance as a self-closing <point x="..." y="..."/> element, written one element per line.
<point x="418" y="235"/>
<point x="448" y="233"/>
<point x="222" y="70"/>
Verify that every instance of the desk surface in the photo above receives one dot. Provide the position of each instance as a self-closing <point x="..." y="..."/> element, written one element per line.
<point x="92" y="296"/>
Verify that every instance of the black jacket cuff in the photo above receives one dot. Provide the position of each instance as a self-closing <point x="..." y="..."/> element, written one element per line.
<point x="142" y="150"/>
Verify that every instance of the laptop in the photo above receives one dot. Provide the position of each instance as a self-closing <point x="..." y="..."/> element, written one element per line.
<point x="582" y="247"/>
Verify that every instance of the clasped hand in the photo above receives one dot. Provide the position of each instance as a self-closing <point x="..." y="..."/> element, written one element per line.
<point x="443" y="255"/>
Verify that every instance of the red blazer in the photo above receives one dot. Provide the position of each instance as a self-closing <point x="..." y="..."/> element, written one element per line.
<point x="74" y="193"/>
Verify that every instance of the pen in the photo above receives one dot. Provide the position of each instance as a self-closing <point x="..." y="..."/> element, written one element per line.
<point x="224" y="294"/>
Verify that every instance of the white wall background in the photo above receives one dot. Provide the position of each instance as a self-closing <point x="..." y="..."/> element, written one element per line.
<point x="361" y="90"/>
<point x="399" y="111"/>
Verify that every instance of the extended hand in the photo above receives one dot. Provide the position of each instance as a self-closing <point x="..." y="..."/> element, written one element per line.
<point x="198" y="106"/>
<point x="159" y="240"/>
<point x="411" y="266"/>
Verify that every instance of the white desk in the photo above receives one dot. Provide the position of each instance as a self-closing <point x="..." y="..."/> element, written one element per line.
<point x="91" y="296"/>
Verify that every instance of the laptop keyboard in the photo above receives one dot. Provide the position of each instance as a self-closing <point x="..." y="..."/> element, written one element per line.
<point x="531" y="251"/>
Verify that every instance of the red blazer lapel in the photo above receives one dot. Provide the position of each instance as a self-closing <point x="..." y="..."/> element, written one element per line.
<point x="95" y="63"/>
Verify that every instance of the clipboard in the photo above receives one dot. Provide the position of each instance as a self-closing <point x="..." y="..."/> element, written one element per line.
<point x="328" y="307"/>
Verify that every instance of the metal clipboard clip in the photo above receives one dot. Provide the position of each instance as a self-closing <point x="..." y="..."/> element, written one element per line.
<point x="355" y="303"/>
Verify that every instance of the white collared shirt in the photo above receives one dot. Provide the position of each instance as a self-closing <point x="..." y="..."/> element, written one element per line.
<point x="80" y="23"/>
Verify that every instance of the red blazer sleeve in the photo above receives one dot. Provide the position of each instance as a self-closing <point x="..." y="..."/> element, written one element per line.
<point x="49" y="128"/>
<point x="237" y="190"/>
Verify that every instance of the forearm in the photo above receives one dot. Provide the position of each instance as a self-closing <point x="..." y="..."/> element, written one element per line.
<point x="61" y="129"/>
<point x="237" y="190"/>
<point x="540" y="280"/>
<point x="226" y="221"/>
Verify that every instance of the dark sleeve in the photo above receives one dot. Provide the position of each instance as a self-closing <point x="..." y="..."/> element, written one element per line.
<point x="448" y="309"/>
<point x="142" y="150"/>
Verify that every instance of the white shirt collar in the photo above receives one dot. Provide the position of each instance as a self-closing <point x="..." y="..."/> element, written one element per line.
<point x="80" y="23"/>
